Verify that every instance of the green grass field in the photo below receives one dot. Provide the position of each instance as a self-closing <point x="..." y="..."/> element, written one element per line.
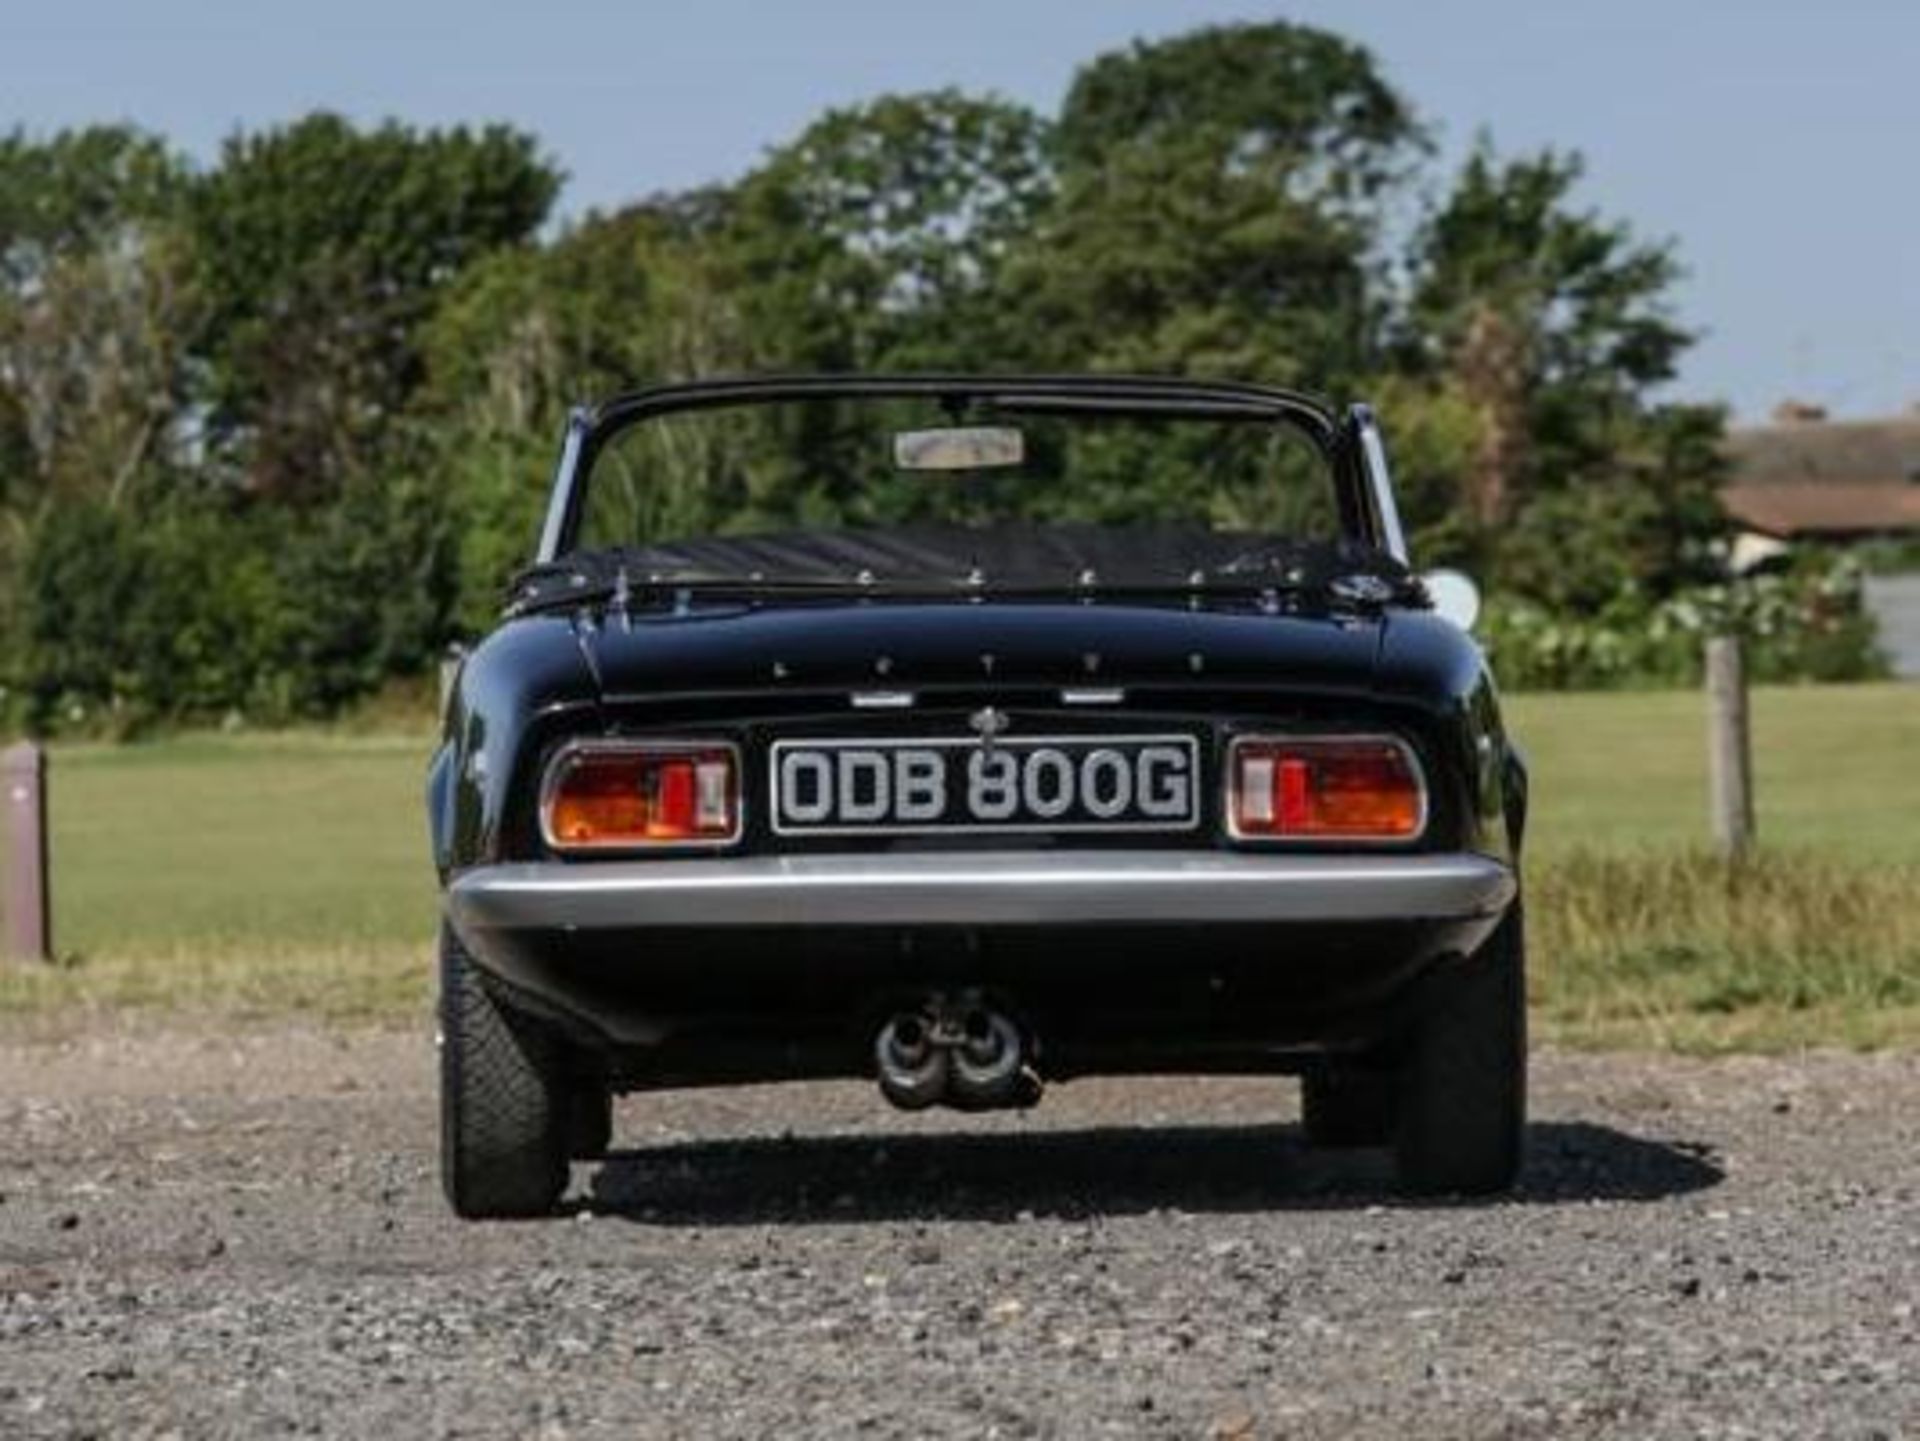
<point x="290" y="872"/>
<point x="1837" y="770"/>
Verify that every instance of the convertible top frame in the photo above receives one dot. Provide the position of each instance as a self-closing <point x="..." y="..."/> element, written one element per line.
<point x="1352" y="445"/>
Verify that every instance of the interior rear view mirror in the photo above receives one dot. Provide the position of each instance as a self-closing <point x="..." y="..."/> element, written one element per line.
<point x="966" y="447"/>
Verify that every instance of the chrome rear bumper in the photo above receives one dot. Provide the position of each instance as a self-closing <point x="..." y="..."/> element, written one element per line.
<point x="977" y="889"/>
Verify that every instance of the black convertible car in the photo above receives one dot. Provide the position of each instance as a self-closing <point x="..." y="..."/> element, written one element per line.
<point x="970" y="733"/>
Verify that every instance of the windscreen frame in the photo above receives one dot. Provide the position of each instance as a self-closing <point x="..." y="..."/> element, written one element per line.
<point x="590" y="429"/>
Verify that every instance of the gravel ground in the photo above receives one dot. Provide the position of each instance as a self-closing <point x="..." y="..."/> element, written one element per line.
<point x="242" y="1235"/>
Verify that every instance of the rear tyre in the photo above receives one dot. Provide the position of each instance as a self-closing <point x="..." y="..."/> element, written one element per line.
<point x="504" y="1099"/>
<point x="589" y="1121"/>
<point x="1460" y="1095"/>
<point x="1344" y="1104"/>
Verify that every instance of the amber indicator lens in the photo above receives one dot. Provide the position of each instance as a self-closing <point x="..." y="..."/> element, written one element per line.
<point x="623" y="798"/>
<point x="1325" y="789"/>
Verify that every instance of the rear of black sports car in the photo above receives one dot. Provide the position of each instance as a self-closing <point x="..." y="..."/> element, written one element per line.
<point x="970" y="814"/>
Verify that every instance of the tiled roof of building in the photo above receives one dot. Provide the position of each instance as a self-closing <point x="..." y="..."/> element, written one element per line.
<point x="1823" y="508"/>
<point x="1811" y="476"/>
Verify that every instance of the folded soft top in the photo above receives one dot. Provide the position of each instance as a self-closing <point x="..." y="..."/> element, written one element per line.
<point x="1024" y="558"/>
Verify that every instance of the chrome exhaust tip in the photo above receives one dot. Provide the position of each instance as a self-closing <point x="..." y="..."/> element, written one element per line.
<point x="989" y="1059"/>
<point x="960" y="1052"/>
<point x="912" y="1067"/>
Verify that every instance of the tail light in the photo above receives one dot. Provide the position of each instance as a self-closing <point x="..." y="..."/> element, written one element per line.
<point x="635" y="795"/>
<point x="1324" y="788"/>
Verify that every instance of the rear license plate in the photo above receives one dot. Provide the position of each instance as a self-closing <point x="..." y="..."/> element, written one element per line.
<point x="1037" y="784"/>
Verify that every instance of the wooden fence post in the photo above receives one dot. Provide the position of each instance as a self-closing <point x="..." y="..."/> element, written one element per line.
<point x="1729" y="747"/>
<point x="29" y="912"/>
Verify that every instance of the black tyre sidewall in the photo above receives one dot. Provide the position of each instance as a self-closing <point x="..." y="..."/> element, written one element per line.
<point x="1460" y="1104"/>
<point x="503" y="1099"/>
<point x="589" y="1121"/>
<point x="1345" y="1103"/>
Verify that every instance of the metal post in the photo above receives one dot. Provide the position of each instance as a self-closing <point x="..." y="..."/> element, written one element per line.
<point x="28" y="914"/>
<point x="1729" y="747"/>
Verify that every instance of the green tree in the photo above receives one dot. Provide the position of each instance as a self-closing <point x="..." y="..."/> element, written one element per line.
<point x="95" y="314"/>
<point x="76" y="190"/>
<point x="321" y="251"/>
<point x="1552" y="328"/>
<point x="615" y="302"/>
<point x="873" y="240"/>
<point x="94" y="319"/>
<point x="1276" y="102"/>
<point x="1220" y="209"/>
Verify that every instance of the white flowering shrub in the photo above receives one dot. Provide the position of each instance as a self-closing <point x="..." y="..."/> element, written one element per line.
<point x="1805" y="624"/>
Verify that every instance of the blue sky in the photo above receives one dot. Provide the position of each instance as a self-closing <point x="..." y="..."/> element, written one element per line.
<point x="1775" y="142"/>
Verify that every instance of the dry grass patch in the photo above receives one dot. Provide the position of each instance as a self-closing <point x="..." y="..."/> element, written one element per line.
<point x="346" y="984"/>
<point x="1691" y="952"/>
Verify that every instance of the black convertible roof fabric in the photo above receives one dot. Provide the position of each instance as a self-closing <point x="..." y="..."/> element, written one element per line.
<point x="1024" y="558"/>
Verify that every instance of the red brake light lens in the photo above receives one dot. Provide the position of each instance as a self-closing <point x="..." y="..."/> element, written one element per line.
<point x="1324" y="788"/>
<point x="623" y="797"/>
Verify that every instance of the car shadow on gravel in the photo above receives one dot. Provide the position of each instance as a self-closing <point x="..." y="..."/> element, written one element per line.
<point x="1104" y="1171"/>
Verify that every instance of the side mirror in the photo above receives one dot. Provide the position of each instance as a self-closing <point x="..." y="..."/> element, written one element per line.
<point x="1455" y="596"/>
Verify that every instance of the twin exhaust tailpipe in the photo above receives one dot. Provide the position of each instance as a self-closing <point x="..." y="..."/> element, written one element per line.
<point x="956" y="1050"/>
